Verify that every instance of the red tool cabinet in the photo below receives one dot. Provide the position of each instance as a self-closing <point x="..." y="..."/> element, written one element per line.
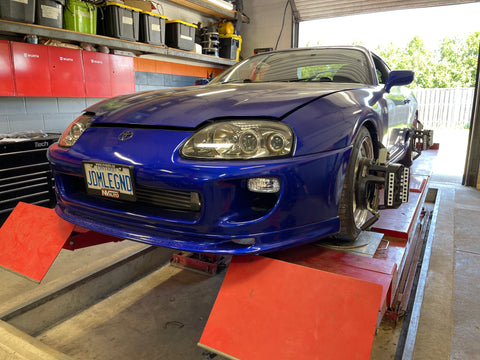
<point x="31" y="70"/>
<point x="66" y="72"/>
<point x="6" y="70"/>
<point x="122" y="75"/>
<point x="97" y="74"/>
<point x="39" y="70"/>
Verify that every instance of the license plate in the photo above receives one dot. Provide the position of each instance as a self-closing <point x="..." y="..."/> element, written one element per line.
<point x="109" y="180"/>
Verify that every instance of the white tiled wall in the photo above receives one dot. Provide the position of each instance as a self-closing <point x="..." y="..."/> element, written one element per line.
<point x="53" y="115"/>
<point x="40" y="113"/>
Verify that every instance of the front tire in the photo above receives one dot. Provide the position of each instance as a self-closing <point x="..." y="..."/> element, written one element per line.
<point x="353" y="211"/>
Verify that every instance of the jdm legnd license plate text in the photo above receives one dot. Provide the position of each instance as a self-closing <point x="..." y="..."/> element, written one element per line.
<point x="109" y="180"/>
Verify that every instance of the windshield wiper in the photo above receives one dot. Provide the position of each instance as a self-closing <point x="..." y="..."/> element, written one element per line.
<point x="310" y="79"/>
<point x="313" y="79"/>
<point x="238" y="81"/>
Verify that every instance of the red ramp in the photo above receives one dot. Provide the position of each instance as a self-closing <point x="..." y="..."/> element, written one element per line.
<point x="271" y="309"/>
<point x="31" y="238"/>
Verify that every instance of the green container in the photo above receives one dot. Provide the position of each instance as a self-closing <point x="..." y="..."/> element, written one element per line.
<point x="80" y="16"/>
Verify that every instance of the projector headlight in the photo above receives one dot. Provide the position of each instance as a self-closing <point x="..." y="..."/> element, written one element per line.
<point x="240" y="140"/>
<point x="74" y="130"/>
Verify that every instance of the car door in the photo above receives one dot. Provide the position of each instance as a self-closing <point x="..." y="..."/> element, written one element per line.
<point x="399" y="103"/>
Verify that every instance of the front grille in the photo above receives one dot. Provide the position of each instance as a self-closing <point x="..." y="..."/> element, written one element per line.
<point x="184" y="201"/>
<point x="169" y="199"/>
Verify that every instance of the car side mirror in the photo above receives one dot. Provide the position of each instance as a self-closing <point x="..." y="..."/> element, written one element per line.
<point x="202" y="81"/>
<point x="399" y="78"/>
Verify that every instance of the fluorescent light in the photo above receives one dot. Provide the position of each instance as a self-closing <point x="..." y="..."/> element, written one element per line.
<point x="222" y="4"/>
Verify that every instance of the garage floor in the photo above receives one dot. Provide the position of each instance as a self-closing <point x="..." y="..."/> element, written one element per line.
<point x="161" y="312"/>
<point x="449" y="324"/>
<point x="450" y="316"/>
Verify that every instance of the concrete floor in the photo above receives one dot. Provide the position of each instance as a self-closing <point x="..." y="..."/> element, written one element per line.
<point x="162" y="315"/>
<point x="449" y="324"/>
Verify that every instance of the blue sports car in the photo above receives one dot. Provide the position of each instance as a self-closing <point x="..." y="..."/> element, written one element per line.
<point x="282" y="149"/>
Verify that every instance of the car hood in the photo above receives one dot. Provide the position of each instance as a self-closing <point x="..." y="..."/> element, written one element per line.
<point x="190" y="106"/>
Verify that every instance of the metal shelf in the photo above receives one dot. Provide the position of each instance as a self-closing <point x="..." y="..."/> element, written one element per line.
<point x="207" y="7"/>
<point x="12" y="27"/>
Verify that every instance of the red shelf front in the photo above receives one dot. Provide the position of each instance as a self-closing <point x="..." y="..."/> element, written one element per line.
<point x="31" y="69"/>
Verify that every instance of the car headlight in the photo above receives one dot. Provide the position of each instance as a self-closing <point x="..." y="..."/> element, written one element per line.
<point x="247" y="139"/>
<point x="74" y="130"/>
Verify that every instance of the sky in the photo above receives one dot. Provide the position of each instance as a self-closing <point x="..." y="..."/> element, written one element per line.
<point x="399" y="27"/>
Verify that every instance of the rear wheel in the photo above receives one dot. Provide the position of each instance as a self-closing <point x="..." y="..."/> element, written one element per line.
<point x="353" y="209"/>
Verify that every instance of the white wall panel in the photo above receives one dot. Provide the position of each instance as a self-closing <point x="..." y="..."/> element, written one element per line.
<point x="265" y="25"/>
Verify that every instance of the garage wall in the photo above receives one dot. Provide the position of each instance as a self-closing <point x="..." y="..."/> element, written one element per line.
<point x="37" y="113"/>
<point x="159" y="72"/>
<point x="265" y="25"/>
<point x="54" y="114"/>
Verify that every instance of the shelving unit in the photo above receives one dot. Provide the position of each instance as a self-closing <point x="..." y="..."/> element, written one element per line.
<point x="207" y="7"/>
<point x="16" y="28"/>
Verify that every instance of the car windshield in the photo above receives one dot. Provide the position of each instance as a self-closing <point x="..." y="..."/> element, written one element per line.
<point x="318" y="65"/>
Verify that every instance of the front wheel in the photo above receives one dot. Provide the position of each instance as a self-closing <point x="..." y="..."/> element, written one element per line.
<point x="353" y="210"/>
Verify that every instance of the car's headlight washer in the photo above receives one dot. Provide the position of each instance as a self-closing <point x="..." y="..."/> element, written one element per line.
<point x="240" y="140"/>
<point x="74" y="130"/>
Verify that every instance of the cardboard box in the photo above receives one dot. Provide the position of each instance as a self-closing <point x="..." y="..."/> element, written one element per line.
<point x="139" y="4"/>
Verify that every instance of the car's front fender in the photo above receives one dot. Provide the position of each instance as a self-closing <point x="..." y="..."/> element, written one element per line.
<point x="332" y="122"/>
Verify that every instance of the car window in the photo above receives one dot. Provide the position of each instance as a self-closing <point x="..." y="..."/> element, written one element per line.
<point x="309" y="65"/>
<point x="382" y="70"/>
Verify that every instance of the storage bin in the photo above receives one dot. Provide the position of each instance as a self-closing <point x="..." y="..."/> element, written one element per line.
<point x="152" y="28"/>
<point x="21" y="11"/>
<point x="209" y="38"/>
<point x="230" y="46"/>
<point x="180" y="35"/>
<point x="80" y="16"/>
<point x="50" y="13"/>
<point x="120" y="21"/>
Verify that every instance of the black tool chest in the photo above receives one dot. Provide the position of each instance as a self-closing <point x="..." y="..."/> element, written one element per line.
<point x="25" y="174"/>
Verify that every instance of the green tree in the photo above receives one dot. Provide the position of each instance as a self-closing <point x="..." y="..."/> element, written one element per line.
<point x="453" y="64"/>
<point x="415" y="56"/>
<point x="470" y="57"/>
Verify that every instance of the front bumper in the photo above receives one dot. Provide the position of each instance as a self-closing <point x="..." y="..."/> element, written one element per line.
<point x="230" y="219"/>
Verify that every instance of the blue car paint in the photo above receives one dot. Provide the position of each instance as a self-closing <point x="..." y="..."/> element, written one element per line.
<point x="198" y="104"/>
<point x="325" y="119"/>
<point x="338" y="127"/>
<point x="310" y="186"/>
